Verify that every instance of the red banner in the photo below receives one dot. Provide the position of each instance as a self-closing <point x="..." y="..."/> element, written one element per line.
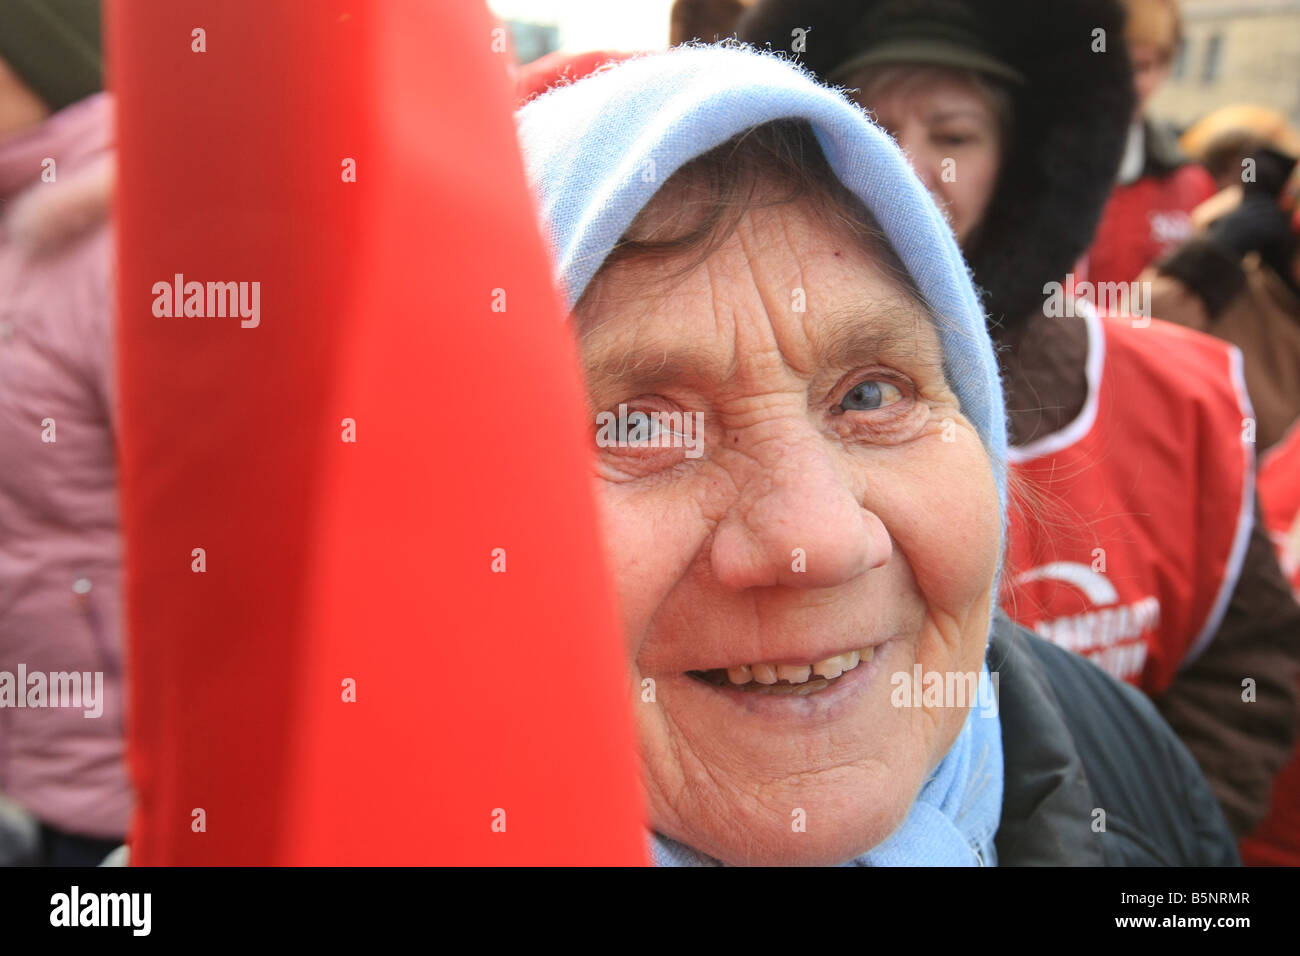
<point x="368" y="618"/>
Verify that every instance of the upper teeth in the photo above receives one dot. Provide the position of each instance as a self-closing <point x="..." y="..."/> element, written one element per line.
<point x="829" y="668"/>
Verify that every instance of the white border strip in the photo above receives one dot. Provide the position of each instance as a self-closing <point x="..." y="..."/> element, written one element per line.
<point x="1073" y="432"/>
<point x="1245" y="521"/>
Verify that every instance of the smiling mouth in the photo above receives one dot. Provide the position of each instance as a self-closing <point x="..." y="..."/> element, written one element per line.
<point x="799" y="680"/>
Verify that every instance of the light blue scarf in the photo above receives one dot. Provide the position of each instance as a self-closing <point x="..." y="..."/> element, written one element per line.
<point x="599" y="149"/>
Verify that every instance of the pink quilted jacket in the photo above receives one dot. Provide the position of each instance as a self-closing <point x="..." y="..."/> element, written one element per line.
<point x="59" y="544"/>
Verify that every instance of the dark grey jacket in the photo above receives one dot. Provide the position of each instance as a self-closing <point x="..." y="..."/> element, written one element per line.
<point x="1076" y="741"/>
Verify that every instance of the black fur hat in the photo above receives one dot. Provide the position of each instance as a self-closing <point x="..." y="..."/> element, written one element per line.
<point x="1071" y="116"/>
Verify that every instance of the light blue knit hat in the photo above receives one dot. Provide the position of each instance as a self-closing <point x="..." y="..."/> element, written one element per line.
<point x="587" y="147"/>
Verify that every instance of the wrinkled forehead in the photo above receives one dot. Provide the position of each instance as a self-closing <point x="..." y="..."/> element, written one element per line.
<point x="790" y="225"/>
<point x="783" y="290"/>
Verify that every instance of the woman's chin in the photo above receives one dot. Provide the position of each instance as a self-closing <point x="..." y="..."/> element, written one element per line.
<point x="824" y="827"/>
<point x="790" y="780"/>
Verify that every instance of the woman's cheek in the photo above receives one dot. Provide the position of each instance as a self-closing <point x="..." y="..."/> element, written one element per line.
<point x="626" y="553"/>
<point x="978" y="190"/>
<point x="646" y="552"/>
<point x="965" y="525"/>
<point x="948" y="529"/>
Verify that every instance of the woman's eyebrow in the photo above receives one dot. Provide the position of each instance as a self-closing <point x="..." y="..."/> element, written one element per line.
<point x="863" y="336"/>
<point x="645" y="369"/>
<point x="942" y="114"/>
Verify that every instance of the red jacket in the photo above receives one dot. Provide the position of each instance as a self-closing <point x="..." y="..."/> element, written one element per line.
<point x="1279" y="490"/>
<point x="1277" y="841"/>
<point x="1149" y="217"/>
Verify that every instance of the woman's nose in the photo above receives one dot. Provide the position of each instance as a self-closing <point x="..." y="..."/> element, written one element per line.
<point x="796" y="522"/>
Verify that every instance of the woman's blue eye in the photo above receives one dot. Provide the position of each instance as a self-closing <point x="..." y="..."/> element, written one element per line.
<point x="866" y="396"/>
<point x="640" y="428"/>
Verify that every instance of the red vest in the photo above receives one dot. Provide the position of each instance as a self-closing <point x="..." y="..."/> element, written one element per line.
<point x="1144" y="220"/>
<point x="1129" y="526"/>
<point x="1277" y="841"/>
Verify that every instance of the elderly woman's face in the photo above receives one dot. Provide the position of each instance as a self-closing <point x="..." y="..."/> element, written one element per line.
<point x="841" y="513"/>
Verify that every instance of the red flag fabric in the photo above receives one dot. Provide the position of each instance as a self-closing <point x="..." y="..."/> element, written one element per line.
<point x="368" y="619"/>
